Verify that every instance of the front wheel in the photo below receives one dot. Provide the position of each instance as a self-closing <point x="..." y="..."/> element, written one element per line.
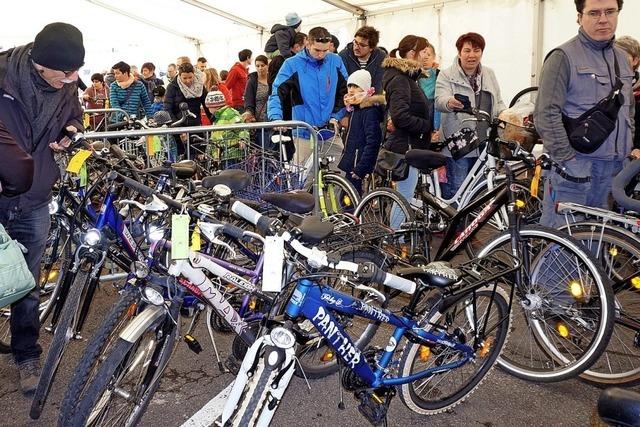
<point x="336" y="195"/>
<point x="481" y="321"/>
<point x="127" y="379"/>
<point x="563" y="310"/>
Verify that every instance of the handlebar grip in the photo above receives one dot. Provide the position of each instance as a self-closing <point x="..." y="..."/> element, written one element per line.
<point x="372" y="273"/>
<point x="233" y="231"/>
<point x="251" y="215"/>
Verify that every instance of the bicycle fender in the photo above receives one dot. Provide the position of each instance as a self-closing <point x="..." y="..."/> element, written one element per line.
<point x="141" y="323"/>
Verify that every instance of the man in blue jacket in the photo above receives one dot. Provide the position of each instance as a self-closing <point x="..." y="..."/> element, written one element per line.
<point x="314" y="82"/>
<point x="39" y="102"/>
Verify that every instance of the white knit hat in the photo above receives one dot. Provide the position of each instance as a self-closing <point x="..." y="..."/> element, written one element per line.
<point x="215" y="98"/>
<point x="360" y="78"/>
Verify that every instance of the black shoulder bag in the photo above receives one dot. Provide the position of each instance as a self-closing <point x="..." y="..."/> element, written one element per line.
<point x="589" y="131"/>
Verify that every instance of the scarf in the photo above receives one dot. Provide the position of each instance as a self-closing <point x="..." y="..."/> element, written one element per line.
<point x="40" y="101"/>
<point x="195" y="90"/>
<point x="356" y="99"/>
<point x="127" y="83"/>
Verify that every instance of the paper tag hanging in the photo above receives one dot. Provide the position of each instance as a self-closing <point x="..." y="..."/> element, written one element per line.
<point x="535" y="181"/>
<point x="78" y="160"/>
<point x="272" y="266"/>
<point x="83" y="176"/>
<point x="150" y="146"/>
<point x="179" y="236"/>
<point x="196" y="242"/>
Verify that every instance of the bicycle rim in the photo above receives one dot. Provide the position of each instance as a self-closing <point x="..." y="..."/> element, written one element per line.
<point x="557" y="333"/>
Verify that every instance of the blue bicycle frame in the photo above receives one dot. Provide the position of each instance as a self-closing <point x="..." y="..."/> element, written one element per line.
<point x="315" y="302"/>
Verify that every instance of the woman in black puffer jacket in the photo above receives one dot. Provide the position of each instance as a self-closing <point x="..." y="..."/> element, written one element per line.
<point x="408" y="125"/>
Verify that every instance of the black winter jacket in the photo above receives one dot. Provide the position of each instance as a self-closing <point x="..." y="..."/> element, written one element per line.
<point x="250" y="93"/>
<point x="282" y="38"/>
<point x="374" y="64"/>
<point x="363" y="137"/>
<point x="15" y="129"/>
<point x="174" y="97"/>
<point x="407" y="106"/>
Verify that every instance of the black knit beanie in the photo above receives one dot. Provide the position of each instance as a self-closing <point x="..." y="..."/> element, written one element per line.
<point x="59" y="47"/>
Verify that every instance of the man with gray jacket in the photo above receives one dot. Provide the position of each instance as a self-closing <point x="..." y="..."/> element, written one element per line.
<point x="575" y="77"/>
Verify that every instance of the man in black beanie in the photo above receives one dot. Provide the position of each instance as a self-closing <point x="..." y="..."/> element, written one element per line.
<point x="38" y="97"/>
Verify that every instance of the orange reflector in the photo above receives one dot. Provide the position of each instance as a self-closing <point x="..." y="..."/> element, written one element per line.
<point x="131" y="311"/>
<point x="576" y="290"/>
<point x="485" y="348"/>
<point x="425" y="352"/>
<point x="562" y="329"/>
<point x="327" y="356"/>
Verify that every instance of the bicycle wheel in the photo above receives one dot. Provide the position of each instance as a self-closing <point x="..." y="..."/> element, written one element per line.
<point x="619" y="253"/>
<point x="61" y="337"/>
<point x="317" y="359"/>
<point x="100" y="344"/>
<point x="487" y="335"/>
<point x="384" y="206"/>
<point x="526" y="95"/>
<point x="337" y="195"/>
<point x="128" y="378"/>
<point x="564" y="310"/>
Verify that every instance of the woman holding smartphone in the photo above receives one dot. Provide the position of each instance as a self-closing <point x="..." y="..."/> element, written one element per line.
<point x="466" y="84"/>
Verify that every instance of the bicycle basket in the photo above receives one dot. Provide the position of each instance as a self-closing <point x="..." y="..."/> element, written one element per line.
<point x="462" y="143"/>
<point x="516" y="125"/>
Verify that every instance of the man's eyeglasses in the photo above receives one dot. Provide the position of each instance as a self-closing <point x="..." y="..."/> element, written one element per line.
<point x="322" y="39"/>
<point x="362" y="45"/>
<point x="608" y="13"/>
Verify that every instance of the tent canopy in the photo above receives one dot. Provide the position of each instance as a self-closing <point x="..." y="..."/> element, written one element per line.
<point x="518" y="32"/>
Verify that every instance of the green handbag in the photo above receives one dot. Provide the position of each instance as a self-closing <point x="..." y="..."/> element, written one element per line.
<point x="15" y="278"/>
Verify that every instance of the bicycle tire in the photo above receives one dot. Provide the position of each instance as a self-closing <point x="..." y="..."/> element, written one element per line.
<point x="318" y="367"/>
<point x="377" y="207"/>
<point x="522" y="93"/>
<point x="61" y="337"/>
<point x="100" y="342"/>
<point x="339" y="195"/>
<point x="411" y="355"/>
<point x="553" y="366"/>
<point x="257" y="395"/>
<point x="115" y="365"/>
<point x="614" y="245"/>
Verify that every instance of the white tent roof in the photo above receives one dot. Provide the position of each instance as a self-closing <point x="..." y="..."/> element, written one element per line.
<point x="161" y="30"/>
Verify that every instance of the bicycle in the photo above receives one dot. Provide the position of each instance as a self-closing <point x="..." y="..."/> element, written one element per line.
<point x="427" y="334"/>
<point x="564" y="334"/>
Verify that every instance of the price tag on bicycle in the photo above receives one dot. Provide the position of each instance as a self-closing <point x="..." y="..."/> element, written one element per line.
<point x="273" y="262"/>
<point x="76" y="162"/>
<point x="179" y="236"/>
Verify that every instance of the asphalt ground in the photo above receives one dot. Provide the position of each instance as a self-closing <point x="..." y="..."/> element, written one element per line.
<point x="192" y="380"/>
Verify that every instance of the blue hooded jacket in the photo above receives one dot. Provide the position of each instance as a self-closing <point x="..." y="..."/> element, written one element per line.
<point x="316" y="88"/>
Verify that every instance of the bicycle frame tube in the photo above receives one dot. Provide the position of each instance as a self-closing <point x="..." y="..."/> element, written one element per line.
<point x="452" y="241"/>
<point x="316" y="302"/>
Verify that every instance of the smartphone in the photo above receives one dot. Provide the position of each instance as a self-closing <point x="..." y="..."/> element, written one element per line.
<point x="464" y="99"/>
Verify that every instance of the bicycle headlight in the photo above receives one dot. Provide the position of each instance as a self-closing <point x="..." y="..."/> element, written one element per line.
<point x="282" y="337"/>
<point x="153" y="296"/>
<point x="53" y="206"/>
<point x="92" y="237"/>
<point x="140" y="269"/>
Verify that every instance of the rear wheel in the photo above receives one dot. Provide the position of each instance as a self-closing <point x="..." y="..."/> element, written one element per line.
<point x="563" y="312"/>
<point x="619" y="254"/>
<point x="385" y="206"/>
<point x="486" y="334"/>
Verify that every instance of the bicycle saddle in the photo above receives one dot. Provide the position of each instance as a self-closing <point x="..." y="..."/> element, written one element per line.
<point x="425" y="160"/>
<point x="438" y="274"/>
<point x="619" y="407"/>
<point x="299" y="202"/>
<point x="314" y="230"/>
<point x="184" y="168"/>
<point x="235" y="179"/>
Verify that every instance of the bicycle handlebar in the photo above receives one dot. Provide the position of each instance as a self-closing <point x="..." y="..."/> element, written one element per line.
<point x="317" y="258"/>
<point x="620" y="183"/>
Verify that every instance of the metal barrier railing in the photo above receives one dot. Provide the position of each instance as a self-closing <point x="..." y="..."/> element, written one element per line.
<point x="106" y="112"/>
<point x="276" y="126"/>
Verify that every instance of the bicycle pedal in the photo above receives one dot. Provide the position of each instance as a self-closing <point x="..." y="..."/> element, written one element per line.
<point x="374" y="404"/>
<point x="193" y="344"/>
<point x="77" y="337"/>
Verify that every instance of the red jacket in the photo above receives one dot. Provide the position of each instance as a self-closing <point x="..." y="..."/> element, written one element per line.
<point x="237" y="82"/>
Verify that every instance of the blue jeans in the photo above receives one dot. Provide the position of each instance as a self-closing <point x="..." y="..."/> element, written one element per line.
<point x="406" y="188"/>
<point x="594" y="193"/>
<point x="30" y="228"/>
<point x="457" y="171"/>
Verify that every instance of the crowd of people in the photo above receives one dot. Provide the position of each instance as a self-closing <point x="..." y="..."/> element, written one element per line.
<point x="398" y="100"/>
